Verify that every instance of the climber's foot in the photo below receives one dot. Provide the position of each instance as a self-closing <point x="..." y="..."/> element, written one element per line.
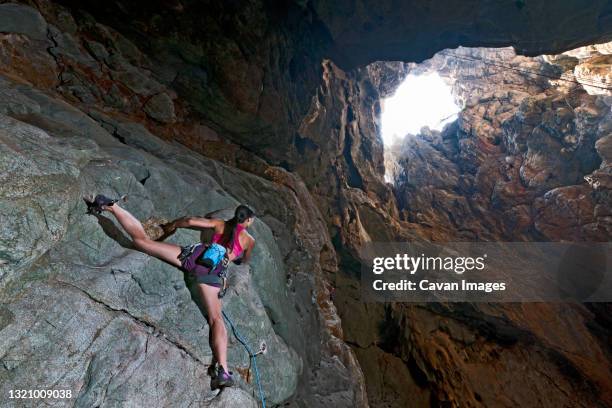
<point x="212" y="370"/>
<point x="100" y="203"/>
<point x="223" y="379"/>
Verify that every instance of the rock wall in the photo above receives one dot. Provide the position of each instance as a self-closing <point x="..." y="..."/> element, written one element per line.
<point x="249" y="68"/>
<point x="192" y="106"/>
<point x="524" y="161"/>
<point x="81" y="309"/>
<point x="366" y="31"/>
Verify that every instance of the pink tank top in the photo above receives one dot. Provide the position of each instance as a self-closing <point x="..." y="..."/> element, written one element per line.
<point x="237" y="248"/>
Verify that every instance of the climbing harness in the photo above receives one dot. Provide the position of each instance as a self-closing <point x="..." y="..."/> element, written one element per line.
<point x="252" y="356"/>
<point x="190" y="262"/>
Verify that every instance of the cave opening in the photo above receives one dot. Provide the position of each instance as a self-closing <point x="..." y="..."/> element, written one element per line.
<point x="421" y="100"/>
<point x="534" y="125"/>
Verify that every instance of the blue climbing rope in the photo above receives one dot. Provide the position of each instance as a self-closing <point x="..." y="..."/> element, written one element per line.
<point x="252" y="356"/>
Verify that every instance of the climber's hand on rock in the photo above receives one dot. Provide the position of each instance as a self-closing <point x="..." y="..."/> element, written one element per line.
<point x="109" y="208"/>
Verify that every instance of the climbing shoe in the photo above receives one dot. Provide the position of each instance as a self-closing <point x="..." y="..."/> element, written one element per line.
<point x="212" y="370"/>
<point x="223" y="379"/>
<point x="96" y="205"/>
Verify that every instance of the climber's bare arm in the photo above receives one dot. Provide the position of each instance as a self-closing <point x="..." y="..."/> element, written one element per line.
<point x="247" y="252"/>
<point x="194" y="223"/>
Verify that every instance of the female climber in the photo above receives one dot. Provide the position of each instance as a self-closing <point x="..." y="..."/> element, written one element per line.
<point x="230" y="234"/>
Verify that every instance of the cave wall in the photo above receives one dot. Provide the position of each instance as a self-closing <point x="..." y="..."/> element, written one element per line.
<point x="366" y="31"/>
<point x="458" y="185"/>
<point x="524" y="161"/>
<point x="249" y="72"/>
<point x="83" y="311"/>
<point x="83" y="112"/>
<point x="249" y="68"/>
<point x="526" y="158"/>
<point x="279" y="93"/>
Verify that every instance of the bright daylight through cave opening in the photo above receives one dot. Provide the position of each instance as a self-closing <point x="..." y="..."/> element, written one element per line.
<point x="421" y="100"/>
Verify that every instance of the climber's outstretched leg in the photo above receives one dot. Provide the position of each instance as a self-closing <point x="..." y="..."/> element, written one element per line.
<point x="162" y="250"/>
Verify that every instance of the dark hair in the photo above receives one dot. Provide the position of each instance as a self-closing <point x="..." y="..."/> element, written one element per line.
<point x="241" y="214"/>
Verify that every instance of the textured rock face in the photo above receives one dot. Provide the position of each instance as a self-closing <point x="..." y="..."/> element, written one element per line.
<point x="591" y="66"/>
<point x="519" y="164"/>
<point x="98" y="103"/>
<point x="85" y="311"/>
<point x="366" y="31"/>
<point x="522" y="161"/>
<point x="250" y="68"/>
<point x="81" y="309"/>
<point x="23" y="20"/>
